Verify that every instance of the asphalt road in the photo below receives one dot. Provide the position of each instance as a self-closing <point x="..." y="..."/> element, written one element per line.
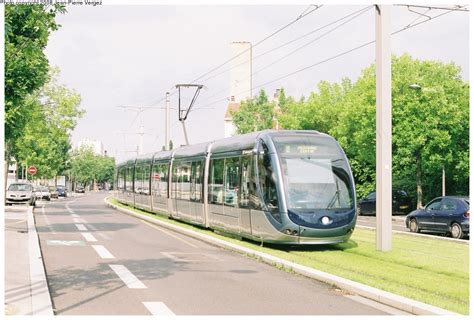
<point x="101" y="262"/>
<point x="398" y="222"/>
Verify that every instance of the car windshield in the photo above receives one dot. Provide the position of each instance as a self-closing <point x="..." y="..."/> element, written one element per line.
<point x="316" y="174"/>
<point x="20" y="187"/>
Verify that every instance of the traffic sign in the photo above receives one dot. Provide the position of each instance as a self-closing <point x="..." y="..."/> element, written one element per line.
<point x="32" y="170"/>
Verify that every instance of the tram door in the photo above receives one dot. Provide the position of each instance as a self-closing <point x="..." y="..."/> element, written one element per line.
<point x="245" y="193"/>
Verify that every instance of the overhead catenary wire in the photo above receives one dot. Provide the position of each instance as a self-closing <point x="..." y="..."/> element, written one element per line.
<point x="407" y="27"/>
<point x="354" y="15"/>
<point x="305" y="13"/>
<point x="289" y="42"/>
<point x="301" y="16"/>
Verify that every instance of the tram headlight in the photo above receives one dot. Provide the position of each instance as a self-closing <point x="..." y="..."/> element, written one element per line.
<point x="326" y="220"/>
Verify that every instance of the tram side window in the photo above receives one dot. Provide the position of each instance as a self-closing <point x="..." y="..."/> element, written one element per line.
<point x="231" y="181"/>
<point x="196" y="183"/>
<point x="155" y="180"/>
<point x="216" y="181"/>
<point x="138" y="179"/>
<point x="174" y="176"/>
<point x="164" y="179"/>
<point x="159" y="180"/>
<point x="146" y="179"/>
<point x="129" y="179"/>
<point x="120" y="179"/>
<point x="267" y="179"/>
<point x="184" y="181"/>
<point x="248" y="186"/>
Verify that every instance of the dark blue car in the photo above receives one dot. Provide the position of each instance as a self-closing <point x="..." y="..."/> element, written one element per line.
<point x="442" y="215"/>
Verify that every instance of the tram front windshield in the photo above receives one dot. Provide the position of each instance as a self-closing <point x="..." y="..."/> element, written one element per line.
<point x="316" y="174"/>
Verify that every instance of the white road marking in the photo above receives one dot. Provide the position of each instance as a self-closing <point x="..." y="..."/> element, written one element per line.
<point x="74" y="215"/>
<point x="65" y="243"/>
<point x="81" y="227"/>
<point x="79" y="220"/>
<point x="127" y="277"/>
<point x="89" y="237"/>
<point x="102" y="252"/>
<point x="170" y="234"/>
<point x="158" y="309"/>
<point x="68" y="208"/>
<point x="47" y="221"/>
<point x="101" y="234"/>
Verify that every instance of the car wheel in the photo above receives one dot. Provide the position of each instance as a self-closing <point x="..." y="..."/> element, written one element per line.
<point x="414" y="226"/>
<point x="456" y="231"/>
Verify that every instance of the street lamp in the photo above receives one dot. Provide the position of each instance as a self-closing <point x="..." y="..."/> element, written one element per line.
<point x="417" y="87"/>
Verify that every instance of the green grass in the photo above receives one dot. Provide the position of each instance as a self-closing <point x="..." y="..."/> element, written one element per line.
<point x="432" y="271"/>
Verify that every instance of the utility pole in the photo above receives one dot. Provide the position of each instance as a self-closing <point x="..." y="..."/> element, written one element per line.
<point x="383" y="128"/>
<point x="167" y="122"/>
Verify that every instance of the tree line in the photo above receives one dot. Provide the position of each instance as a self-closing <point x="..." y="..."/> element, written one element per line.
<point x="430" y="124"/>
<point x="40" y="113"/>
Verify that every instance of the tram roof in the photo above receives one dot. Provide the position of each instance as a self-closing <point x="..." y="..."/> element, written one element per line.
<point x="192" y="150"/>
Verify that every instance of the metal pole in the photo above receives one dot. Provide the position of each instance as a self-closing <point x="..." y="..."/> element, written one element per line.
<point x="383" y="128"/>
<point x="140" y="145"/>
<point x="167" y="122"/>
<point x="185" y="133"/>
<point x="443" y="178"/>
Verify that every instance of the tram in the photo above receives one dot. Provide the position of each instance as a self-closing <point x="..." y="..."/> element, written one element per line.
<point x="273" y="186"/>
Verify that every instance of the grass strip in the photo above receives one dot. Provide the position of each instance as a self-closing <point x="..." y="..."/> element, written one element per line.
<point x="432" y="271"/>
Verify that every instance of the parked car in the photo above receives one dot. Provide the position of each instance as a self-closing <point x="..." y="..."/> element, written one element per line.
<point x="401" y="203"/>
<point x="442" y="215"/>
<point x="20" y="193"/>
<point x="80" y="189"/>
<point x="62" y="191"/>
<point x="54" y="192"/>
<point x="42" y="192"/>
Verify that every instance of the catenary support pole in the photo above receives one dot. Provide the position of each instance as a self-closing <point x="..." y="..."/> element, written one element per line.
<point x="383" y="128"/>
<point x="167" y="122"/>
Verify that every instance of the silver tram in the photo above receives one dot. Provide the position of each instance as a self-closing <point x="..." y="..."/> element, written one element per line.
<point x="292" y="187"/>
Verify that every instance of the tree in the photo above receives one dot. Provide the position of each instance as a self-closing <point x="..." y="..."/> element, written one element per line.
<point x="45" y="141"/>
<point x="254" y="114"/>
<point x="430" y="126"/>
<point x="27" y="29"/>
<point x="88" y="168"/>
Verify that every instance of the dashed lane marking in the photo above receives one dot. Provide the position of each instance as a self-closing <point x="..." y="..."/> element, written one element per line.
<point x="158" y="309"/>
<point x="88" y="236"/>
<point x="74" y="215"/>
<point x="101" y="234"/>
<point x="50" y="227"/>
<point x="78" y="220"/>
<point x="81" y="227"/>
<point x="127" y="277"/>
<point x="103" y="252"/>
<point x="170" y="234"/>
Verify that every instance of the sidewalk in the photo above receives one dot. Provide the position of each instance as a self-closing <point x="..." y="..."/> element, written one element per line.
<point x="26" y="289"/>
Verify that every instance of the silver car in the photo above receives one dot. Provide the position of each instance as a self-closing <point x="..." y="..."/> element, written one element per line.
<point x="42" y="192"/>
<point x="20" y="193"/>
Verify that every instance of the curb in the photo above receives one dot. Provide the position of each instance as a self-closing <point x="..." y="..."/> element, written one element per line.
<point x="387" y="298"/>
<point x="40" y="297"/>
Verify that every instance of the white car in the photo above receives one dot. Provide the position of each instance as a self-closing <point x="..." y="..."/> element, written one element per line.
<point x="42" y="192"/>
<point x="20" y="193"/>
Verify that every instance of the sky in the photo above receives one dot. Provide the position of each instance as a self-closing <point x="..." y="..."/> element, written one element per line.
<point x="130" y="55"/>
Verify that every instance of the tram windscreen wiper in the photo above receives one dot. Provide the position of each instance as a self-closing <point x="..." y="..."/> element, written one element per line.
<point x="335" y="197"/>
